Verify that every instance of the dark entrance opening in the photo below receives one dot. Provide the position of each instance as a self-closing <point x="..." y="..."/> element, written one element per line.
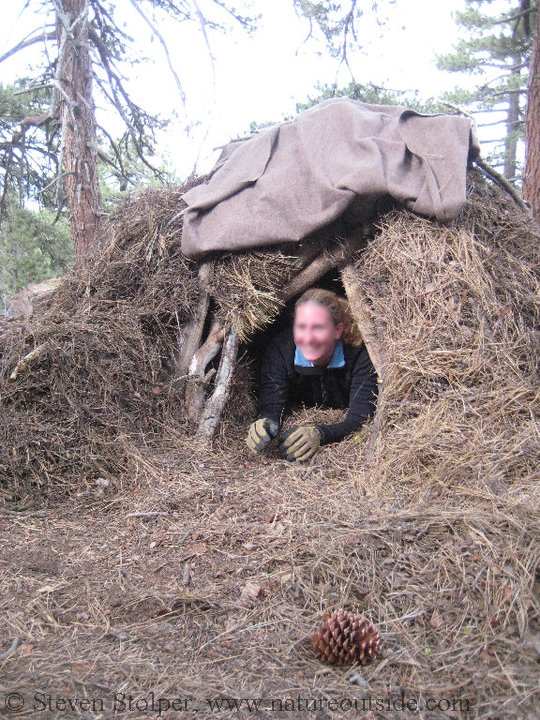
<point x="253" y="351"/>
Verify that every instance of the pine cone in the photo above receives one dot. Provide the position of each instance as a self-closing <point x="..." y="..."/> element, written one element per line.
<point x="345" y="638"/>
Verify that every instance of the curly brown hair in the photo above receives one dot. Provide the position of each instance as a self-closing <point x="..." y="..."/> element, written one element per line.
<point x="339" y="309"/>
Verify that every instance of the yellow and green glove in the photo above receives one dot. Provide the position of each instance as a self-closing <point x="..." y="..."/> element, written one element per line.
<point x="260" y="433"/>
<point x="300" y="443"/>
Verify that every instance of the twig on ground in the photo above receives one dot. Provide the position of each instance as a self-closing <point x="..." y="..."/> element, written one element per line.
<point x="14" y="645"/>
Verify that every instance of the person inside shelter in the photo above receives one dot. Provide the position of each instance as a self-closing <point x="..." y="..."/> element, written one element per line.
<point x="320" y="361"/>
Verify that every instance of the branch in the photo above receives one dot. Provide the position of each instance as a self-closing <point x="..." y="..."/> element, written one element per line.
<point x="101" y="13"/>
<point x="510" y="19"/>
<point x="159" y="36"/>
<point x="484" y="322"/>
<point x="27" y="43"/>
<point x="202" y="23"/>
<point x="502" y="182"/>
<point x="247" y="23"/>
<point x="364" y="318"/>
<point x="349" y="24"/>
<point x="23" y="365"/>
<point x="130" y="131"/>
<point x="191" y="333"/>
<point x="323" y="263"/>
<point x="198" y="378"/>
<point x="116" y="95"/>
<point x="215" y="405"/>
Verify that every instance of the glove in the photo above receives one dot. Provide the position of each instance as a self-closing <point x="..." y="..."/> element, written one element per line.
<point x="300" y="443"/>
<point x="260" y="433"/>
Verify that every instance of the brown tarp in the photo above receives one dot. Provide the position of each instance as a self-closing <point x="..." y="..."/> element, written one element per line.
<point x="334" y="161"/>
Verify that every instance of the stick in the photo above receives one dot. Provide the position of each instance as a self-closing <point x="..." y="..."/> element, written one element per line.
<point x="198" y="379"/>
<point x="377" y="425"/>
<point x="315" y="244"/>
<point x="24" y="513"/>
<point x="214" y="406"/>
<point x="14" y="645"/>
<point x="322" y="264"/>
<point x="22" y="365"/>
<point x="190" y="336"/>
<point x="502" y="182"/>
<point x="145" y="514"/>
<point x="364" y="318"/>
<point x="484" y="322"/>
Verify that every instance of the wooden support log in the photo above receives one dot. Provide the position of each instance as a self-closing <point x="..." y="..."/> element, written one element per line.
<point x="214" y="405"/>
<point x="323" y="263"/>
<point x="503" y="183"/>
<point x="191" y="334"/>
<point x="198" y="379"/>
<point x="363" y="316"/>
<point x="315" y="244"/>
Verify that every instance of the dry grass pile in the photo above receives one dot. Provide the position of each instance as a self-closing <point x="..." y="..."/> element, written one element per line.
<point x="458" y="314"/>
<point x="103" y="378"/>
<point x="106" y="347"/>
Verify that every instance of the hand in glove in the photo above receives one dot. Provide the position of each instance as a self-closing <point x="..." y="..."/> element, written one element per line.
<point x="260" y="433"/>
<point x="300" y="443"/>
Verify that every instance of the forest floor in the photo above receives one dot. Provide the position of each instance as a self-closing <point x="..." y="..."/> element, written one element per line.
<point x="205" y="608"/>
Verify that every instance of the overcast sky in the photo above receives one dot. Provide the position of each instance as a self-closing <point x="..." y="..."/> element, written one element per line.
<point x="261" y="77"/>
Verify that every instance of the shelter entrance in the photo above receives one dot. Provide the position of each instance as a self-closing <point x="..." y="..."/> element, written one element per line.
<point x="246" y="298"/>
<point x="255" y="347"/>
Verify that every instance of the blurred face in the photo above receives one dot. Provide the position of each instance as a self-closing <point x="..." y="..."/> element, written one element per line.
<point x="315" y="333"/>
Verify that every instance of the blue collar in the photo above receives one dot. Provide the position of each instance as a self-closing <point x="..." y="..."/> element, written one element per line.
<point x="337" y="361"/>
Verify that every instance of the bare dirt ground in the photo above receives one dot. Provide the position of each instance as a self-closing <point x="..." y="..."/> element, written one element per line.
<point x="211" y="600"/>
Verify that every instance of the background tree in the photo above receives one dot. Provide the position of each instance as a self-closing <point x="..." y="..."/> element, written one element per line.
<point x="531" y="176"/>
<point x="90" y="48"/>
<point x="74" y="107"/>
<point x="374" y="94"/>
<point x="498" y="49"/>
<point x="28" y="161"/>
<point x="337" y="23"/>
<point x="32" y="247"/>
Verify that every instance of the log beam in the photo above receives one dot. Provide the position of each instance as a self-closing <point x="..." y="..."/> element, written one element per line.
<point x="191" y="334"/>
<point x="215" y="404"/>
<point x="364" y="318"/>
<point x="323" y="263"/>
<point x="198" y="378"/>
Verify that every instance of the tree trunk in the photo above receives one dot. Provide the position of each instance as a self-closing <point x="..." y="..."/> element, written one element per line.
<point x="531" y="178"/>
<point x="76" y="112"/>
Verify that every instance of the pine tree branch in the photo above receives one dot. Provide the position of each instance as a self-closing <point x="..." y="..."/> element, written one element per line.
<point x="27" y="43"/>
<point x="118" y="96"/>
<point x="517" y="16"/>
<point x="120" y="166"/>
<point x="502" y="182"/>
<point x="247" y="23"/>
<point x="159" y="36"/>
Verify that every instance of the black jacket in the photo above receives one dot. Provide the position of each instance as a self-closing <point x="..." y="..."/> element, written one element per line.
<point x="282" y="383"/>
